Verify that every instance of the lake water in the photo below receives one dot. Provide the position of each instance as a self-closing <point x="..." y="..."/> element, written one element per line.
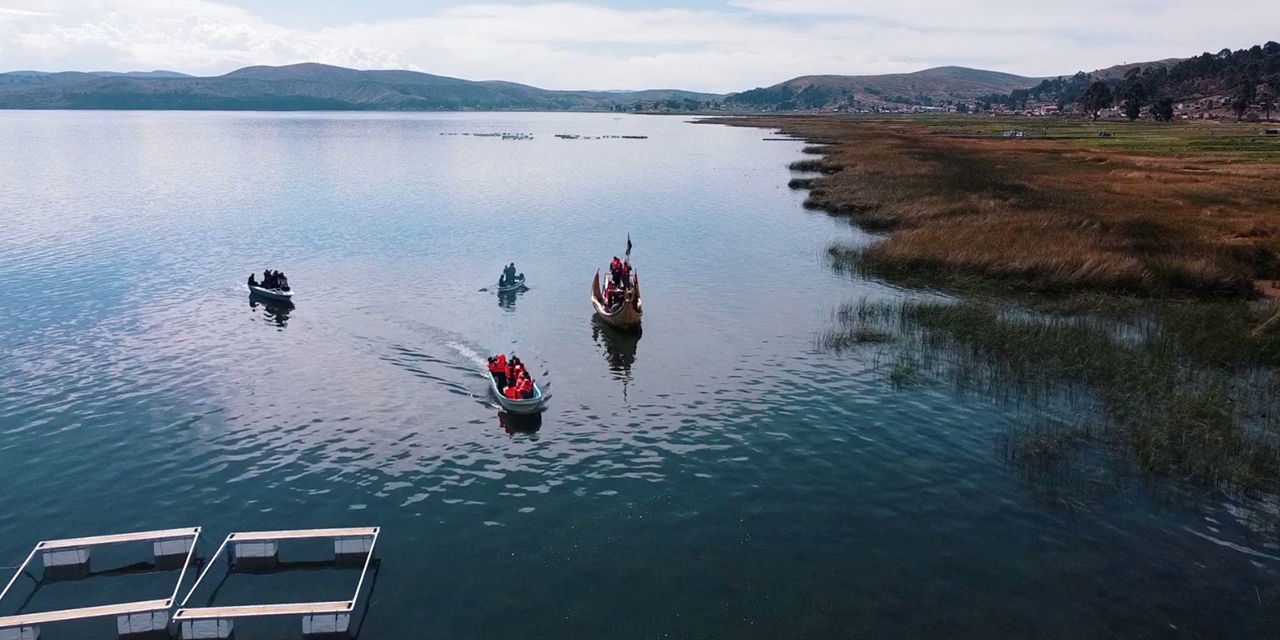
<point x="718" y="477"/>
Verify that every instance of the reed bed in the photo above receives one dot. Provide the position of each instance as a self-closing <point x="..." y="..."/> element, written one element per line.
<point x="1163" y="212"/>
<point x="1181" y="390"/>
<point x="1104" y="281"/>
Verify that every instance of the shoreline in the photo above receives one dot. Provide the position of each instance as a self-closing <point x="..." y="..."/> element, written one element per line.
<point x="1154" y="210"/>
<point x="1107" y="285"/>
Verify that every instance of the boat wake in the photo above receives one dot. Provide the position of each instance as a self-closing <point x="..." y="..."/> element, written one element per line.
<point x="469" y="354"/>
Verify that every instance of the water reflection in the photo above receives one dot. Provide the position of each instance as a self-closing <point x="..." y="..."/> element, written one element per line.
<point x="507" y="299"/>
<point x="275" y="311"/>
<point x="619" y="347"/>
<point x="515" y="423"/>
<point x="1096" y="404"/>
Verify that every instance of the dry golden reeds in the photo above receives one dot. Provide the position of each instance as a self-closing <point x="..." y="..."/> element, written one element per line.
<point x="1047" y="215"/>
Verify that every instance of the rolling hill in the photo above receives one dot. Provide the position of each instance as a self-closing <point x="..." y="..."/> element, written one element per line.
<point x="1118" y="71"/>
<point x="921" y="87"/>
<point x="307" y="86"/>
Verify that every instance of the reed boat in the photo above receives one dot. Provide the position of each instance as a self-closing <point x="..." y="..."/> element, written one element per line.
<point x="274" y="294"/>
<point x="519" y="407"/>
<point x="626" y="316"/>
<point x="516" y="286"/>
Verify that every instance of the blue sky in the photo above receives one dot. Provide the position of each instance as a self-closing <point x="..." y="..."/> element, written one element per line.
<point x="711" y="45"/>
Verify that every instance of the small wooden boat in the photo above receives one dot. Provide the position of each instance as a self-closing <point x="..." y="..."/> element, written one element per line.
<point x="515" y="286"/>
<point x="627" y="316"/>
<point x="531" y="405"/>
<point x="274" y="294"/>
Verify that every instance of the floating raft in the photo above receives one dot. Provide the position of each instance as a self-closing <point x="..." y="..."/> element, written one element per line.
<point x="261" y="549"/>
<point x="175" y="549"/>
<point x="70" y="558"/>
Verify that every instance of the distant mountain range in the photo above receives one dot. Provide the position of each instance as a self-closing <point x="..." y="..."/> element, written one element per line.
<point x="312" y="86"/>
<point x="307" y="86"/>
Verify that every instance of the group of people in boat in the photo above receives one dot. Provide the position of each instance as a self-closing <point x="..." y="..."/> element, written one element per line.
<point x="509" y="276"/>
<point x="512" y="378"/>
<point x="615" y="292"/>
<point x="270" y="280"/>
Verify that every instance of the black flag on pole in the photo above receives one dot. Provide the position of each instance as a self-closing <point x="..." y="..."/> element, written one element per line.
<point x="628" y="246"/>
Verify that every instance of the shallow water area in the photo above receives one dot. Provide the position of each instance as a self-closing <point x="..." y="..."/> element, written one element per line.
<point x="717" y="476"/>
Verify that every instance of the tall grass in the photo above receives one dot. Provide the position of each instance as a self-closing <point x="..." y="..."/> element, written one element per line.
<point x="1182" y="391"/>
<point x="810" y="165"/>
<point x="1057" y="214"/>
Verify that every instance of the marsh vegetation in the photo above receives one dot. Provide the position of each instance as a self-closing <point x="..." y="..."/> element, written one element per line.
<point x="1155" y="210"/>
<point x="1176" y="389"/>
<point x="1111" y="286"/>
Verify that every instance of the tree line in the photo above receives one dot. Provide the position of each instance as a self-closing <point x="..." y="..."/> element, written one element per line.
<point x="1248" y="76"/>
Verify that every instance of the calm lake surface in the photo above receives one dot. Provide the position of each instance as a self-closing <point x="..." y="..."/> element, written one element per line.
<point x="719" y="477"/>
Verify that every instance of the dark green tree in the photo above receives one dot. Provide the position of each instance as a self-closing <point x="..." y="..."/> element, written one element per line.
<point x="1134" y="99"/>
<point x="1096" y="98"/>
<point x="1244" y="97"/>
<point x="1162" y="110"/>
<point x="1267" y="98"/>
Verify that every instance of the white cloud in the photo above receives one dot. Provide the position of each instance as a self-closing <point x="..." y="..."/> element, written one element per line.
<point x="14" y="13"/>
<point x="194" y="36"/>
<point x="582" y="45"/>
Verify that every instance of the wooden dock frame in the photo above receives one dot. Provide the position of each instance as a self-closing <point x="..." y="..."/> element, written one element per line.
<point x="34" y="620"/>
<point x="306" y="609"/>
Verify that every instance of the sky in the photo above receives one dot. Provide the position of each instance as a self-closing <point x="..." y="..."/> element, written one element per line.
<point x="702" y="45"/>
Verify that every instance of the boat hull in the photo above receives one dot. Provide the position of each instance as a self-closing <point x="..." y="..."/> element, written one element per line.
<point x="274" y="294"/>
<point x="519" y="407"/>
<point x="511" y="287"/>
<point x="628" y="315"/>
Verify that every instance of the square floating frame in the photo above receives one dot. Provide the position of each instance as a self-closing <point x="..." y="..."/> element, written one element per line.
<point x="258" y="550"/>
<point x="172" y="548"/>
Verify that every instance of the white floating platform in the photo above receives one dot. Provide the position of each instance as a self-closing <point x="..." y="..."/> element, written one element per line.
<point x="303" y="534"/>
<point x="352" y="546"/>
<point x="75" y="552"/>
<point x="123" y="538"/>
<point x="334" y="615"/>
<point x="65" y="557"/>
<point x="263" y="610"/>
<point x="207" y="629"/>
<point x="20" y="633"/>
<point x="140" y="623"/>
<point x="85" y="613"/>
<point x="326" y="624"/>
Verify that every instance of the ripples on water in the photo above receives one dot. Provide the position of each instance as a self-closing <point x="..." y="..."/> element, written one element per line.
<point x="716" y="477"/>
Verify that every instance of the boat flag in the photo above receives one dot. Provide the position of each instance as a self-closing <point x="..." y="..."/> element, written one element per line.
<point x="628" y="246"/>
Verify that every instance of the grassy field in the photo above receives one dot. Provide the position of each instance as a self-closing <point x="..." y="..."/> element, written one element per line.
<point x="1156" y="209"/>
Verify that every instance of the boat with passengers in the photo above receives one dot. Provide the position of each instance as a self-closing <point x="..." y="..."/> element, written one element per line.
<point x="510" y="281"/>
<point x="618" y="302"/>
<point x="274" y="286"/>
<point x="513" y="386"/>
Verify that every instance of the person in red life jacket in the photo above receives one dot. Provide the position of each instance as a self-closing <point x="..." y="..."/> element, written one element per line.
<point x="511" y="371"/>
<point x="626" y="275"/>
<point x="498" y="369"/>
<point x="524" y="387"/>
<point x="511" y="393"/>
<point x="615" y="270"/>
